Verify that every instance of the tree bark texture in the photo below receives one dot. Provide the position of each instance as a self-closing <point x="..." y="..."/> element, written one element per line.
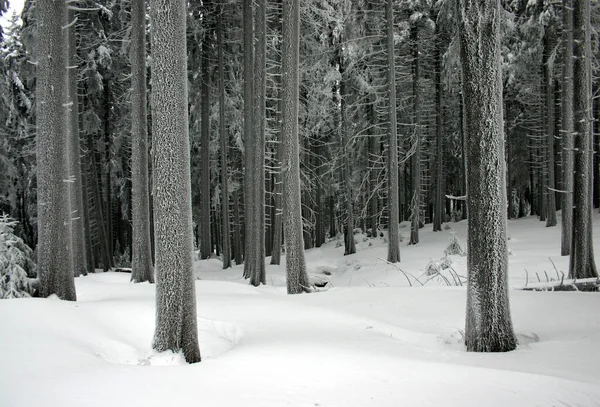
<point x="176" y="326"/>
<point x="204" y="218"/>
<point x="141" y="262"/>
<point x="567" y="136"/>
<point x="416" y="157"/>
<point x="256" y="241"/>
<point x="297" y="277"/>
<point x="393" y="255"/>
<point x="488" y="321"/>
<point x="55" y="265"/>
<point x="583" y="264"/>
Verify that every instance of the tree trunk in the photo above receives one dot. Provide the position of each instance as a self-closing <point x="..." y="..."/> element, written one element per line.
<point x="224" y="145"/>
<point x="297" y="278"/>
<point x="549" y="124"/>
<point x="567" y="130"/>
<point x="255" y="240"/>
<point x="55" y="266"/>
<point x="416" y="157"/>
<point x="75" y="191"/>
<point x="204" y="218"/>
<point x="238" y="249"/>
<point x="345" y="139"/>
<point x="488" y="322"/>
<point x="176" y="326"/>
<point x="582" y="264"/>
<point x="439" y="159"/>
<point x="393" y="255"/>
<point x="141" y="264"/>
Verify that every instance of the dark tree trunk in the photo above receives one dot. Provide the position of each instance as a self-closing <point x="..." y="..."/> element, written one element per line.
<point x="583" y="264"/>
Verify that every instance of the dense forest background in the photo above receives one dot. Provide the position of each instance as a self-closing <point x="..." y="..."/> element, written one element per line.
<point x="343" y="120"/>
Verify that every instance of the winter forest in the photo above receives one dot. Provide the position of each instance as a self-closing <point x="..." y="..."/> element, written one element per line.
<point x="424" y="173"/>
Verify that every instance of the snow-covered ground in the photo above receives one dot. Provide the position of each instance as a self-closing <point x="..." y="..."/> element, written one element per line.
<point x="370" y="340"/>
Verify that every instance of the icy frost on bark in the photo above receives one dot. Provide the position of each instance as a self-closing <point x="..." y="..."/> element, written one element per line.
<point x="297" y="278"/>
<point x="176" y="326"/>
<point x="582" y="263"/>
<point x="141" y="262"/>
<point x="488" y="322"/>
<point x="55" y="266"/>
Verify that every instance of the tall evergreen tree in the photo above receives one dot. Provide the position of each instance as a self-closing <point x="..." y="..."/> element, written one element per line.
<point x="55" y="265"/>
<point x="141" y="262"/>
<point x="176" y="326"/>
<point x="567" y="129"/>
<point x="488" y="323"/>
<point x="297" y="278"/>
<point x="582" y="263"/>
<point x="393" y="242"/>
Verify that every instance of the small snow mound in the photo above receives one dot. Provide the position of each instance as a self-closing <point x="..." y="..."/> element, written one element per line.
<point x="214" y="337"/>
<point x="526" y="338"/>
<point x="166" y="358"/>
<point x="217" y="337"/>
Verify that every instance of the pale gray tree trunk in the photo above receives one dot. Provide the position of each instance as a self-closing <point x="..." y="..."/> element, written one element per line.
<point x="254" y="143"/>
<point x="75" y="191"/>
<point x="226" y="255"/>
<point x="55" y="265"/>
<point x="582" y="263"/>
<point x="204" y="218"/>
<point x="141" y="261"/>
<point x="488" y="322"/>
<point x="176" y="326"/>
<point x="393" y="255"/>
<point x="297" y="278"/>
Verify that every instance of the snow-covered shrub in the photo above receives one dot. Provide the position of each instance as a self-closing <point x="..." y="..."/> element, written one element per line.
<point x="17" y="269"/>
<point x="454" y="246"/>
<point x="437" y="266"/>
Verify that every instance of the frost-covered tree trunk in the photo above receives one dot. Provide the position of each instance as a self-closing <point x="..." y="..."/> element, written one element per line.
<point x="205" y="226"/>
<point x="237" y="232"/>
<point x="141" y="261"/>
<point x="255" y="242"/>
<point x="55" y="265"/>
<point x="415" y="223"/>
<point x="488" y="322"/>
<point x="393" y="255"/>
<point x="176" y="326"/>
<point x="75" y="191"/>
<point x="226" y="255"/>
<point x="297" y="278"/>
<point x="582" y="264"/>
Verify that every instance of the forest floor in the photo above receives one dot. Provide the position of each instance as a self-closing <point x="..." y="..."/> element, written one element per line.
<point x="370" y="340"/>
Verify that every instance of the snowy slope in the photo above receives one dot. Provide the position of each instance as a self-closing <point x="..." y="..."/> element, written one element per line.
<point x="371" y="340"/>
